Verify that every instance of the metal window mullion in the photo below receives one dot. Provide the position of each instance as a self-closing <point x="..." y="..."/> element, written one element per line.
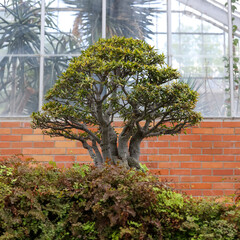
<point x="230" y="55"/>
<point x="169" y="32"/>
<point x="41" y="70"/>
<point x="104" y="17"/>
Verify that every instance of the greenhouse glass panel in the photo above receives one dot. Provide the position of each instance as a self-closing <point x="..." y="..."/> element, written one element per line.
<point x="20" y="27"/>
<point x="236" y="77"/>
<point x="193" y="38"/>
<point x="53" y="67"/>
<point x="159" y="42"/>
<point x="136" y="19"/>
<point x="62" y="34"/>
<point x="56" y="4"/>
<point x="198" y="48"/>
<point x="158" y="36"/>
<point x="214" y="96"/>
<point x="76" y="21"/>
<point x="198" y="55"/>
<point x="19" y="84"/>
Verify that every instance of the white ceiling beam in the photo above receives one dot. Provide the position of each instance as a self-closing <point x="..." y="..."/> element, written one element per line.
<point x="210" y="10"/>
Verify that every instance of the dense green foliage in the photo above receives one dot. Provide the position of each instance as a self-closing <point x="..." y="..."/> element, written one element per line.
<point x="85" y="202"/>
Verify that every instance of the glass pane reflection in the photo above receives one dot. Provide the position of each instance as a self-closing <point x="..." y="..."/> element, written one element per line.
<point x="137" y="19"/>
<point x="61" y="36"/>
<point x="20" y="27"/>
<point x="214" y="96"/>
<point x="53" y="67"/>
<point x="84" y="19"/>
<point x="19" y="83"/>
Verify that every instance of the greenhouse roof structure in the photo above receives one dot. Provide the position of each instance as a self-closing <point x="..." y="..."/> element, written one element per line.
<point x="39" y="37"/>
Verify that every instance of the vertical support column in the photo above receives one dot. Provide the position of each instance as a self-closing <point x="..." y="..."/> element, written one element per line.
<point x="169" y="32"/>
<point x="230" y="55"/>
<point x="42" y="40"/>
<point x="104" y="17"/>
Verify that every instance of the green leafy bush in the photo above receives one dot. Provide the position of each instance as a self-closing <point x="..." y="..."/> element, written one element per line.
<point x="85" y="202"/>
<point x="206" y="219"/>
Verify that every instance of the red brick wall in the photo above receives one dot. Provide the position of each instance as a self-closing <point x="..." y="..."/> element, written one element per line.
<point x="203" y="162"/>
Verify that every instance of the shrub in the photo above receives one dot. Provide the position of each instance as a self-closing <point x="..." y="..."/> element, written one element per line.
<point x="85" y="202"/>
<point x="206" y="219"/>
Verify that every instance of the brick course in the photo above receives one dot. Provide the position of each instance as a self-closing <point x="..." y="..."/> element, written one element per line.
<point x="203" y="162"/>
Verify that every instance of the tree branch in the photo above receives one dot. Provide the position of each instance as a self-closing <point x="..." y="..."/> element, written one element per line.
<point x="123" y="141"/>
<point x="172" y="131"/>
<point x="97" y="152"/>
<point x="82" y="127"/>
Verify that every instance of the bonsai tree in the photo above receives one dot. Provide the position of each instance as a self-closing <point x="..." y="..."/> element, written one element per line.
<point x="118" y="77"/>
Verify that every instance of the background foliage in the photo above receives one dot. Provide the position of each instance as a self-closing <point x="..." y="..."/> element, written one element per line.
<point x="126" y="18"/>
<point x="86" y="202"/>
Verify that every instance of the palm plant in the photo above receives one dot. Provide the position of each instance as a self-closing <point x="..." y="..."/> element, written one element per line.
<point x="20" y="30"/>
<point x="129" y="18"/>
<point x="20" y="24"/>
